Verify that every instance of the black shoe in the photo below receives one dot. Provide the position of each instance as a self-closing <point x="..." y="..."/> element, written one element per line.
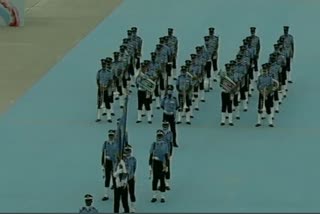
<point x="104" y="114"/>
<point x="105" y="198"/>
<point x="150" y="122"/>
<point x="252" y="89"/>
<point x="197" y="109"/>
<point x="280" y="103"/>
<point x="158" y="107"/>
<point x="168" y="188"/>
<point x="211" y="88"/>
<point x="109" y="121"/>
<point x="270" y="125"/>
<point x="153" y="200"/>
<point x="121" y="106"/>
<point x="112" y="114"/>
<point x="138" y="121"/>
<point x="277" y="111"/>
<point x="249" y="95"/>
<point x="203" y="101"/>
<point x="191" y="116"/>
<point x="162" y="200"/>
<point x="227" y="117"/>
<point x="98" y="120"/>
<point x="189" y="123"/>
<point x="221" y="124"/>
<point x="284" y="96"/>
<point x="117" y="98"/>
<point x="230" y="124"/>
<point x="142" y="115"/>
<point x="214" y="80"/>
<point x="175" y="145"/>
<point x="151" y="115"/>
<point x="112" y="187"/>
<point x="245" y="110"/>
<point x="178" y="122"/>
<point x="262" y="118"/>
<point x="290" y="81"/>
<point x="238" y="118"/>
<point x="258" y="125"/>
<point x="132" y="86"/>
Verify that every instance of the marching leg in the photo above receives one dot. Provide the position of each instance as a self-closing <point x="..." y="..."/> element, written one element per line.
<point x="191" y="112"/>
<point x="289" y="76"/>
<point x="100" y="100"/>
<point x="104" y="111"/>
<point x="196" y="102"/>
<point x="143" y="111"/>
<point x="98" y="115"/>
<point x="111" y="109"/>
<point x="251" y="87"/>
<point x="151" y="109"/>
<point x="276" y="106"/>
<point x="167" y="176"/>
<point x="272" y="112"/>
<point x="158" y="102"/>
<point x="139" y="116"/>
<point x="280" y="95"/>
<point x="237" y="112"/>
<point x="284" y="91"/>
<point x="106" y="194"/>
<point x="109" y="116"/>
<point x="149" y="117"/>
<point x="155" y="196"/>
<point x="121" y="101"/>
<point x="247" y="96"/>
<point x="230" y="119"/>
<point x="162" y="200"/>
<point x="131" y="189"/>
<point x="202" y="95"/>
<point x="263" y="114"/>
<point x="270" y="120"/>
<point x="188" y="117"/>
<point x="259" y="120"/>
<point x="245" y="105"/>
<point x="179" y="117"/>
<point x="223" y="118"/>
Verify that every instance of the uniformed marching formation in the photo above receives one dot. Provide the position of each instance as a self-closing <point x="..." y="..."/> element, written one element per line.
<point x="273" y="82"/>
<point x="156" y="74"/>
<point x="240" y="77"/>
<point x="117" y="75"/>
<point x="237" y="80"/>
<point x="196" y="77"/>
<point x="155" y="80"/>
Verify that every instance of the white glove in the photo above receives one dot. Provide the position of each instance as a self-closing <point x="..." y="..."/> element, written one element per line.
<point x="165" y="168"/>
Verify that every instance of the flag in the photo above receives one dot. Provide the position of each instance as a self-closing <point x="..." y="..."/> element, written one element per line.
<point x="122" y="128"/>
